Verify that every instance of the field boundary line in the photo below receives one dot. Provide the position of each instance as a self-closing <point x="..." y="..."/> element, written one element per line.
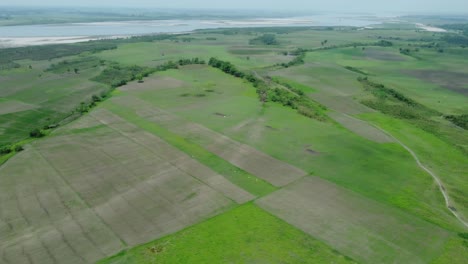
<point x="419" y="163"/>
<point x="158" y="155"/>
<point x="79" y="196"/>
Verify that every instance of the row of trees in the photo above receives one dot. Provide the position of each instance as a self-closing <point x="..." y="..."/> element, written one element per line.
<point x="290" y="97"/>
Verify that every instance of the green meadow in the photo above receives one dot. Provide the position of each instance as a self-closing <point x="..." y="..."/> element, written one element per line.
<point x="152" y="138"/>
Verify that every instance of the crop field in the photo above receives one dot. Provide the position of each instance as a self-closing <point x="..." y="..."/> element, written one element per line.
<point x="266" y="145"/>
<point x="253" y="235"/>
<point x="33" y="98"/>
<point x="299" y="141"/>
<point x="94" y="190"/>
<point x="367" y="231"/>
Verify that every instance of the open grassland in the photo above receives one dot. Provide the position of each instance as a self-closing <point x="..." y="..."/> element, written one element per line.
<point x="177" y="157"/>
<point x="436" y="80"/>
<point x="234" y="49"/>
<point x="361" y="228"/>
<point x="384" y="172"/>
<point x="449" y="163"/>
<point x="246" y="234"/>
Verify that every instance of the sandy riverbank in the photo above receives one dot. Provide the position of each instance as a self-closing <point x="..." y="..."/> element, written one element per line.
<point x="429" y="28"/>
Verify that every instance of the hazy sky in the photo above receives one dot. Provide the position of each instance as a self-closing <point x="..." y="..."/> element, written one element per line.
<point x="381" y="6"/>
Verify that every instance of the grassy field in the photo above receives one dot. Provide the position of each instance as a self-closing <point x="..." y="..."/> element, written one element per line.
<point x="192" y="164"/>
<point x="367" y="231"/>
<point x="253" y="236"/>
<point x="34" y="97"/>
<point x="298" y="140"/>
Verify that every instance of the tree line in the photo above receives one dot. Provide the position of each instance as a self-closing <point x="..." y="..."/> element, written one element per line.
<point x="287" y="96"/>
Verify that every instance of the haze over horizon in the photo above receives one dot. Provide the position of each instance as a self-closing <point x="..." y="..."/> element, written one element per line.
<point x="396" y="6"/>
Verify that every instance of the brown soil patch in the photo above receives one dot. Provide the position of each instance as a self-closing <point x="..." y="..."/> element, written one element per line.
<point x="361" y="128"/>
<point x="376" y="54"/>
<point x="278" y="173"/>
<point x="74" y="198"/>
<point x="361" y="228"/>
<point x="453" y="81"/>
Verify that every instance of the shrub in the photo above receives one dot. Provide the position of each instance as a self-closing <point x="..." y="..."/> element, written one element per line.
<point x="18" y="148"/>
<point x="36" y="133"/>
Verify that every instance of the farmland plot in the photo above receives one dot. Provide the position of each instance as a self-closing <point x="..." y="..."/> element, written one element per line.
<point x="80" y="197"/>
<point x="243" y="156"/>
<point x="358" y="227"/>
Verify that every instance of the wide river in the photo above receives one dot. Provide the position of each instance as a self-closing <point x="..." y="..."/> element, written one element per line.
<point x="74" y="32"/>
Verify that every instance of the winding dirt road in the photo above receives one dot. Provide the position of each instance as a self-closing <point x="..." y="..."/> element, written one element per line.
<point x="433" y="175"/>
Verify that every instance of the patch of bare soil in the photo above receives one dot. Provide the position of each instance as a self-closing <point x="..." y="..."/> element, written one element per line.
<point x="383" y="55"/>
<point x="453" y="81"/>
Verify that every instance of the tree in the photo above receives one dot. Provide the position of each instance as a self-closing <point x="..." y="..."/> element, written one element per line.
<point x="18" y="148"/>
<point x="76" y="70"/>
<point x="139" y="77"/>
<point x="36" y="133"/>
<point x="96" y="98"/>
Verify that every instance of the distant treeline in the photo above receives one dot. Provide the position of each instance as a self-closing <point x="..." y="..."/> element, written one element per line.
<point x="463" y="28"/>
<point x="265" y="39"/>
<point x="48" y="52"/>
<point x="300" y="53"/>
<point x="8" y="56"/>
<point x="290" y="97"/>
<point x="456" y="39"/>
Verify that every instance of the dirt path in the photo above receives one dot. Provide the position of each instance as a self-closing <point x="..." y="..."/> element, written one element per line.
<point x="433" y="175"/>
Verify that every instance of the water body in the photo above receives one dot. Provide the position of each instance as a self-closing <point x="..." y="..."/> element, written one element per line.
<point x="74" y="32"/>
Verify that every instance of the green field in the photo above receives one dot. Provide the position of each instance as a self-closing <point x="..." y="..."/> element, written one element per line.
<point x="253" y="236"/>
<point x="323" y="145"/>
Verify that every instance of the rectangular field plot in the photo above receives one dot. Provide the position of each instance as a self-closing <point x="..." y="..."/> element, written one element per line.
<point x="276" y="172"/>
<point x="365" y="230"/>
<point x="80" y="197"/>
<point x="361" y="128"/>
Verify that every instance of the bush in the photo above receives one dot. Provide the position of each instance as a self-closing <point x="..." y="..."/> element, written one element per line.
<point x="36" y="133"/>
<point x="5" y="150"/>
<point x="18" y="148"/>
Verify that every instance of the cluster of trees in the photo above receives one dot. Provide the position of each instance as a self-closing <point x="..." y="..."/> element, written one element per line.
<point x="9" y="149"/>
<point x="265" y="39"/>
<point x="227" y="67"/>
<point x="459" y="120"/>
<point x="36" y="133"/>
<point x="116" y="75"/>
<point x="394" y="103"/>
<point x="383" y="92"/>
<point x="298" y="59"/>
<point x="293" y="98"/>
<point x="76" y="65"/>
<point x="193" y="61"/>
<point x="356" y="70"/>
<point x="48" y="52"/>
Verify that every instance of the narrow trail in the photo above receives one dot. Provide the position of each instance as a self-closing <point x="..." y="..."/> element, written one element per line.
<point x="433" y="175"/>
